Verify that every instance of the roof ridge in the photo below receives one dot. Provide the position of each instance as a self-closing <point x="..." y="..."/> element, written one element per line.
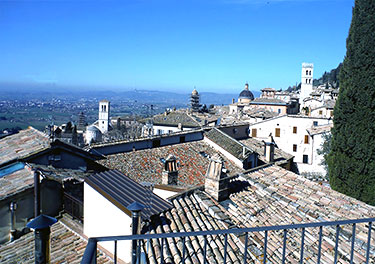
<point x="38" y="131"/>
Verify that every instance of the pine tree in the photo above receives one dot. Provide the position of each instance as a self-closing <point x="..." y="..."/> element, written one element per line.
<point x="351" y="162"/>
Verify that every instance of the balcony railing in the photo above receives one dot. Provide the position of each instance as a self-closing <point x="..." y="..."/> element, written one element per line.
<point x="140" y="257"/>
<point x="73" y="207"/>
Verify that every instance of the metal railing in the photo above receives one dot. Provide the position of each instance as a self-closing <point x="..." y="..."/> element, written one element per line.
<point x="73" y="206"/>
<point x="91" y="249"/>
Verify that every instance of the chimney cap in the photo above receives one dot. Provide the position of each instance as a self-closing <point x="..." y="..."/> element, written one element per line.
<point x="42" y="221"/>
<point x="170" y="158"/>
<point x="136" y="207"/>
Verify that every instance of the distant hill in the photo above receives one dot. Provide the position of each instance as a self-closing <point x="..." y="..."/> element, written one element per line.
<point x="139" y="96"/>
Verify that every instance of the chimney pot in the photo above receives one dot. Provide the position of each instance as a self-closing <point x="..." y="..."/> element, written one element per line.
<point x="215" y="184"/>
<point x="42" y="230"/>
<point x="269" y="151"/>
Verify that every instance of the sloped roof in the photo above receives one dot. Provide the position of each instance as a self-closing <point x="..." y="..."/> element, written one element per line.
<point x="266" y="196"/>
<point x="25" y="143"/>
<point x="16" y="182"/>
<point x="258" y="147"/>
<point x="173" y="119"/>
<point x="315" y="130"/>
<point x="270" y="101"/>
<point x="146" y="165"/>
<point x="123" y="191"/>
<point x="228" y="143"/>
<point x="66" y="247"/>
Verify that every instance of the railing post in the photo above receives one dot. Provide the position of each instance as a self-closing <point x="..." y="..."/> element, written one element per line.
<point x="136" y="209"/>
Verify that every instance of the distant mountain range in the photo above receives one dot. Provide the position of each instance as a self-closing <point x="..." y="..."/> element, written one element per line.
<point x="141" y="96"/>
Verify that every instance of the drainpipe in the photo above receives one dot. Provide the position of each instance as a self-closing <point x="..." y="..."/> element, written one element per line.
<point x="13" y="207"/>
<point x="136" y="209"/>
<point x="42" y="230"/>
<point x="36" y="193"/>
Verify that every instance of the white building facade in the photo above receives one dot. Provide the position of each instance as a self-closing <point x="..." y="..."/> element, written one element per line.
<point x="293" y="134"/>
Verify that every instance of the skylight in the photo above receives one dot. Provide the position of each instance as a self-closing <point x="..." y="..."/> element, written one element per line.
<point x="11" y="168"/>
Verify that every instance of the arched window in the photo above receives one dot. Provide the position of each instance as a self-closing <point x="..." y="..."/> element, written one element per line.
<point x="306" y="81"/>
<point x="307" y="72"/>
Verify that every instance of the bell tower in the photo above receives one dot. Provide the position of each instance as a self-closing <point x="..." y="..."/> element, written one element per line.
<point x="306" y="81"/>
<point x="104" y="116"/>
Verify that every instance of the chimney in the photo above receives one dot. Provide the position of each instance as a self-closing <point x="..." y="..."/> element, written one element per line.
<point x="179" y="126"/>
<point x="269" y="151"/>
<point x="13" y="231"/>
<point x="36" y="193"/>
<point x="170" y="172"/>
<point x="42" y="230"/>
<point x="215" y="184"/>
<point x="136" y="209"/>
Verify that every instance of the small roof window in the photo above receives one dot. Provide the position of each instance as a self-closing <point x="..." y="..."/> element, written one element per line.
<point x="11" y="168"/>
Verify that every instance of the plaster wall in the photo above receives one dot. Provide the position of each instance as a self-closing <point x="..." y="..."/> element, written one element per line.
<point x="287" y="138"/>
<point x="102" y="218"/>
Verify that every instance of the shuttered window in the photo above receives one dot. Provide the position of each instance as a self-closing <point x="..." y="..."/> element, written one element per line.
<point x="254" y="132"/>
<point x="277" y="132"/>
<point x="294" y="130"/>
<point x="306" y="139"/>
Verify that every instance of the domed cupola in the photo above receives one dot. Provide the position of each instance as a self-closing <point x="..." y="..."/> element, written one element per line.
<point x="246" y="95"/>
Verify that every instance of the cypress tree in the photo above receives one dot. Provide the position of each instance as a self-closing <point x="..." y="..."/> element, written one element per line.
<point x="351" y="162"/>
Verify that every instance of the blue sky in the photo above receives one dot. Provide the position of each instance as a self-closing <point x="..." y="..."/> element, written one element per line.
<point x="215" y="45"/>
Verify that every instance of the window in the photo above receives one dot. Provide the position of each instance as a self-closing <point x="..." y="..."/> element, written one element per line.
<point x="320" y="112"/>
<point x="279" y="110"/>
<point x="182" y="139"/>
<point x="306" y="139"/>
<point x="294" y="148"/>
<point x="331" y="113"/>
<point x="254" y="132"/>
<point x="306" y="80"/>
<point x="307" y="72"/>
<point x="277" y="132"/>
<point x="315" y="123"/>
<point x="294" y="130"/>
<point x="305" y="159"/>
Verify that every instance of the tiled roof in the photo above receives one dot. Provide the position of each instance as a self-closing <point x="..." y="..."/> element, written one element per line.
<point x="123" y="191"/>
<point x="258" y="147"/>
<point x="264" y="197"/>
<point x="261" y="112"/>
<point x="228" y="143"/>
<point x="174" y="118"/>
<point x="265" y="100"/>
<point x="319" y="129"/>
<point x="195" y="212"/>
<point x="146" y="165"/>
<point x="66" y="247"/>
<point x="23" y="144"/>
<point x="16" y="182"/>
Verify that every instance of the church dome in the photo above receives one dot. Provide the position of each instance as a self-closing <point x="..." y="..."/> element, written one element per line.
<point x="246" y="94"/>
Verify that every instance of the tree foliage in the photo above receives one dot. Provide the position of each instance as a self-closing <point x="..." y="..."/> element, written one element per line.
<point x="351" y="161"/>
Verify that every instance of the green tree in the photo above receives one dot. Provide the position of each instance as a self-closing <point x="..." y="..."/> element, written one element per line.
<point x="351" y="162"/>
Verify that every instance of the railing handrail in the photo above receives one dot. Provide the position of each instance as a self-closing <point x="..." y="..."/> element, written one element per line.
<point x="234" y="230"/>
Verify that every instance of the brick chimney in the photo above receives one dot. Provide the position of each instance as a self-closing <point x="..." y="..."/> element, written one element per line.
<point x="215" y="184"/>
<point x="170" y="172"/>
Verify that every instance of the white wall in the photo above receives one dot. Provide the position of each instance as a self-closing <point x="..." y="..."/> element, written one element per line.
<point x="102" y="218"/>
<point x="287" y="138"/>
<point x="165" y="194"/>
<point x="167" y="129"/>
